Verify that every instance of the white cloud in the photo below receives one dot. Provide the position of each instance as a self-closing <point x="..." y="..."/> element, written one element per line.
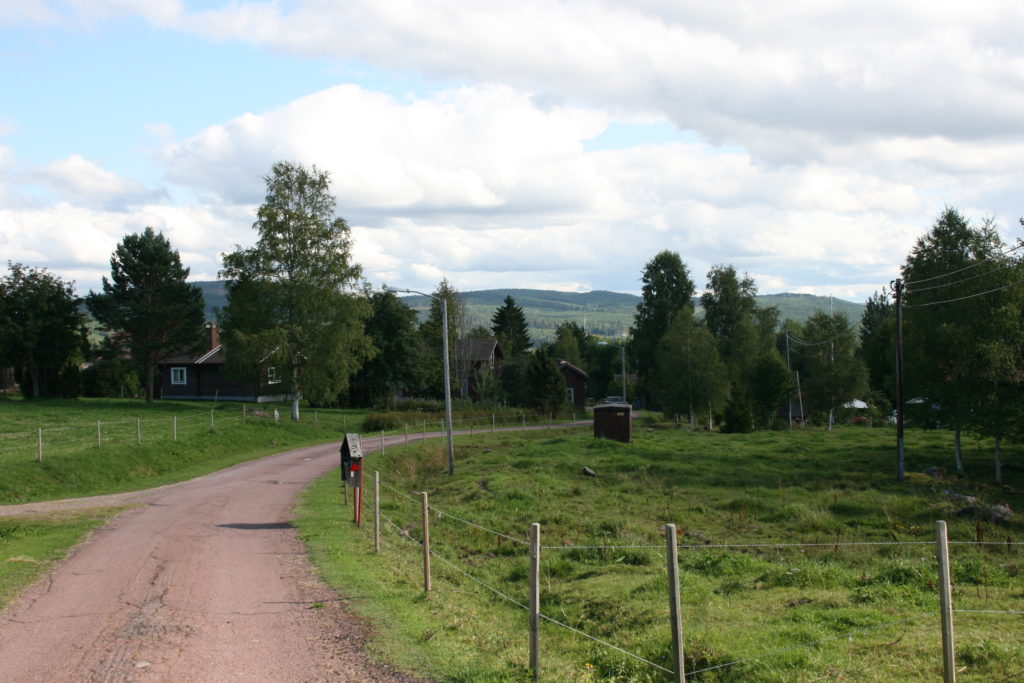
<point x="88" y="184"/>
<point x="731" y="72"/>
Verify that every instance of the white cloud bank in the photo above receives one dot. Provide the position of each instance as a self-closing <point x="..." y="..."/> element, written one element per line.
<point x="825" y="137"/>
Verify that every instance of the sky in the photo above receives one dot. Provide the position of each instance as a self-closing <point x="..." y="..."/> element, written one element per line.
<point x="552" y="144"/>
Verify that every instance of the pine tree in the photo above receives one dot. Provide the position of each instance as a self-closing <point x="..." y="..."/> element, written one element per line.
<point x="509" y="325"/>
<point x="148" y="301"/>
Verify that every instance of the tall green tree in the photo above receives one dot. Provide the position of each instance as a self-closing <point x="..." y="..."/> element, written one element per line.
<point x="547" y="388"/>
<point x="393" y="333"/>
<point x="729" y="313"/>
<point x="691" y="377"/>
<point x="148" y="302"/>
<point x="962" y="323"/>
<point x="567" y="344"/>
<point x="293" y="298"/>
<point x="432" y="361"/>
<point x="835" y="374"/>
<point x="42" y="333"/>
<point x="509" y="326"/>
<point x="667" y="292"/>
<point x="878" y="343"/>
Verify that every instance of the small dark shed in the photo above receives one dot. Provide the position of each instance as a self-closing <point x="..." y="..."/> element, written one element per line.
<point x="613" y="421"/>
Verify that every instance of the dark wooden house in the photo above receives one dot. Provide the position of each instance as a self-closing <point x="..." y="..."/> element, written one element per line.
<point x="575" y="383"/>
<point x="200" y="376"/>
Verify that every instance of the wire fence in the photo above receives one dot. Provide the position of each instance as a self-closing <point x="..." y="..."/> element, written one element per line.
<point x="48" y="441"/>
<point x="414" y="532"/>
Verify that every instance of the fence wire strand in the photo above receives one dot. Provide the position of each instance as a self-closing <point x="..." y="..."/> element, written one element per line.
<point x="505" y="596"/>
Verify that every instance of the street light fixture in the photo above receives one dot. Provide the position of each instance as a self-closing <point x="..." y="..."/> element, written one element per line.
<point x="447" y="375"/>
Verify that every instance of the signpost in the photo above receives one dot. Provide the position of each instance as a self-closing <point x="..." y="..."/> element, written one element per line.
<point x="352" y="472"/>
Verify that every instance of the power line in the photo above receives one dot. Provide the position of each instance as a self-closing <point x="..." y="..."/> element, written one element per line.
<point x="960" y="270"/>
<point x="963" y="298"/>
<point x="966" y="279"/>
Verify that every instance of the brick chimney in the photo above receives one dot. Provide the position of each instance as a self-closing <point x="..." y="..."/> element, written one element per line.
<point x="214" y="335"/>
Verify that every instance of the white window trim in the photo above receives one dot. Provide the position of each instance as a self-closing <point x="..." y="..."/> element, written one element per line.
<point x="179" y="376"/>
<point x="272" y="377"/>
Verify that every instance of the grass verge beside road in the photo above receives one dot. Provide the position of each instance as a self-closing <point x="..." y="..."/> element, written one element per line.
<point x="858" y="601"/>
<point x="29" y="547"/>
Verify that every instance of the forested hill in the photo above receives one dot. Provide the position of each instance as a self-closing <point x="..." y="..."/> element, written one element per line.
<point x="603" y="313"/>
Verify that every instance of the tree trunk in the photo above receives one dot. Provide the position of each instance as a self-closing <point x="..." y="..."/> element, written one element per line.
<point x="149" y="381"/>
<point x="999" y="464"/>
<point x="959" y="458"/>
<point x="295" y="391"/>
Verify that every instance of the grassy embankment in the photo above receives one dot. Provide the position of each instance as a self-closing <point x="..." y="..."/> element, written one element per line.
<point x="766" y="603"/>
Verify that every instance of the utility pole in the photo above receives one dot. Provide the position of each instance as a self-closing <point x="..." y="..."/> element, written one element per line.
<point x="789" y="399"/>
<point x="897" y="286"/>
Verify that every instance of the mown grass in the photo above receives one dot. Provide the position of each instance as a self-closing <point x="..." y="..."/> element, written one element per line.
<point x="29" y="547"/>
<point x="827" y="611"/>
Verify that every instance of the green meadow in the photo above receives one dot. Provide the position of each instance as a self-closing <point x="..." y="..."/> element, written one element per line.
<point x="802" y="558"/>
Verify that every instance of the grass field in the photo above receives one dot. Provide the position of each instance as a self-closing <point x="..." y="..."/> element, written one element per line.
<point x="858" y="603"/>
<point x="134" y="446"/>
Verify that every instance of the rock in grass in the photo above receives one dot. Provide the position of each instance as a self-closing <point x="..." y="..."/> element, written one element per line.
<point x="935" y="472"/>
<point x="589" y="472"/>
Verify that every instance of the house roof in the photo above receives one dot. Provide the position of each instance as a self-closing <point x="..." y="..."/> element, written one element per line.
<point x="566" y="366"/>
<point x="476" y="350"/>
<point x="214" y="356"/>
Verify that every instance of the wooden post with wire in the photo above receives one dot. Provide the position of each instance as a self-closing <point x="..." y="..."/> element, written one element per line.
<point x="426" y="542"/>
<point x="138" y="429"/>
<point x="672" y="557"/>
<point x="945" y="603"/>
<point x="376" y="512"/>
<point x="535" y="600"/>
<point x="99" y="435"/>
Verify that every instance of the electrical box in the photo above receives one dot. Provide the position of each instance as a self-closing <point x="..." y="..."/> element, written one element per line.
<point x="613" y="421"/>
<point x="352" y="461"/>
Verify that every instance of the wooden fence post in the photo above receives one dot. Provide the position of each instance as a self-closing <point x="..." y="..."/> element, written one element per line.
<point x="426" y="543"/>
<point x="316" y="419"/>
<point x="138" y="429"/>
<point x="376" y="512"/>
<point x="99" y="435"/>
<point x="492" y="423"/>
<point x="39" y="442"/>
<point x="672" y="556"/>
<point x="535" y="600"/>
<point x="945" y="603"/>
<point x="382" y="442"/>
<point x="405" y="426"/>
<point x="174" y="427"/>
<point x="243" y="413"/>
<point x="211" y="420"/>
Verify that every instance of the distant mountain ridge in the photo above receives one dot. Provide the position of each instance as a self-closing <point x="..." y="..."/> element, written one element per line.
<point x="602" y="312"/>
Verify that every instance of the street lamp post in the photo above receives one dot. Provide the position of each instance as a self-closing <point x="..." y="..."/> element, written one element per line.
<point x="447" y="374"/>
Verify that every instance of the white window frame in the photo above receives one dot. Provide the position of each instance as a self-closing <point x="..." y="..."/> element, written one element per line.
<point x="570" y="395"/>
<point x="179" y="376"/>
<point x="272" y="377"/>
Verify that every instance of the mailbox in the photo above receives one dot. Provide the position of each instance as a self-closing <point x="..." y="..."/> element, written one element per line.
<point x="352" y="460"/>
